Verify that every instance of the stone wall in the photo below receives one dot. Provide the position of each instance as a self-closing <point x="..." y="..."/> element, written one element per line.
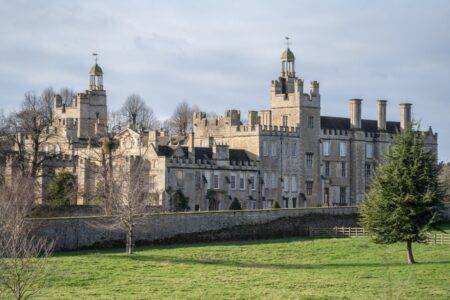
<point x="88" y="232"/>
<point x="73" y="233"/>
<point x="446" y="213"/>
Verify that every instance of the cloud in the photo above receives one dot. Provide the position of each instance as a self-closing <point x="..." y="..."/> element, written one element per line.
<point x="223" y="54"/>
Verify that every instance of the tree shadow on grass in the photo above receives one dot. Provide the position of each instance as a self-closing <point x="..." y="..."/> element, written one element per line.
<point x="145" y="246"/>
<point x="264" y="265"/>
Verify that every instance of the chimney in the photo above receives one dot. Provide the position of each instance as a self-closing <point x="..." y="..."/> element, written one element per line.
<point x="381" y="120"/>
<point x="191" y="143"/>
<point x="153" y="137"/>
<point x="355" y="113"/>
<point x="252" y="118"/>
<point x="405" y="115"/>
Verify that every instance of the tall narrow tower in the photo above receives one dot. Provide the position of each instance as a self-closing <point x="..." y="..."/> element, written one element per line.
<point x="93" y="106"/>
<point x="292" y="107"/>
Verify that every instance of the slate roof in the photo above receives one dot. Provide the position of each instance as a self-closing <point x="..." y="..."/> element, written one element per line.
<point x="367" y="125"/>
<point x="164" y="151"/>
<point x="238" y="155"/>
<point x="203" y="153"/>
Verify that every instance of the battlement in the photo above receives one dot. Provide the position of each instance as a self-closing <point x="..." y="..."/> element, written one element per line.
<point x="231" y="125"/>
<point x="429" y="133"/>
<point x="231" y="117"/>
<point x="209" y="164"/>
<point x="279" y="130"/>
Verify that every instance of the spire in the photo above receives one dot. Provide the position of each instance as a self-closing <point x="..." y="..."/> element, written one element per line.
<point x="287" y="61"/>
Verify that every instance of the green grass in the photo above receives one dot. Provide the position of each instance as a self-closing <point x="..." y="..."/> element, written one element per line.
<point x="275" y="269"/>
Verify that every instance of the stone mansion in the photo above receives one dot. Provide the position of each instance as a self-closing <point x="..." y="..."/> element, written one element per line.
<point x="289" y="153"/>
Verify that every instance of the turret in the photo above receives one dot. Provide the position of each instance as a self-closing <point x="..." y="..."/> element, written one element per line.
<point x="314" y="88"/>
<point x="96" y="77"/>
<point x="287" y="62"/>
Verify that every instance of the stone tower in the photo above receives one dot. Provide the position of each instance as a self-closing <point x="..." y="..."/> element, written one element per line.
<point x="86" y="116"/>
<point x="291" y="107"/>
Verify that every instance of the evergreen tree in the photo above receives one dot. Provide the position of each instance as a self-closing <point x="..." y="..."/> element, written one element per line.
<point x="62" y="189"/>
<point x="235" y="205"/>
<point x="405" y="198"/>
<point x="181" y="202"/>
<point x="276" y="205"/>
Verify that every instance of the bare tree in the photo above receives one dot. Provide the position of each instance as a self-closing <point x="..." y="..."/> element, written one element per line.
<point x="105" y="159"/>
<point x="47" y="96"/>
<point x="129" y="197"/>
<point x="67" y="96"/>
<point x="181" y="120"/>
<point x="28" y="130"/>
<point x="138" y="113"/>
<point x="33" y="121"/>
<point x="115" y="120"/>
<point x="4" y="143"/>
<point x="23" y="265"/>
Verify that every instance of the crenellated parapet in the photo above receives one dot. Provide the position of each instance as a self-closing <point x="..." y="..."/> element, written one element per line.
<point x="225" y="125"/>
<point x="210" y="164"/>
<point x="279" y="130"/>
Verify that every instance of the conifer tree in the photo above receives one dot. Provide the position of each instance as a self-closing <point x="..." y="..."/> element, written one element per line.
<point x="235" y="205"/>
<point x="405" y="198"/>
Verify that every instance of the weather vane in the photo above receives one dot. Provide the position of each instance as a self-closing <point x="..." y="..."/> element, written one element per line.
<point x="95" y="57"/>
<point x="287" y="41"/>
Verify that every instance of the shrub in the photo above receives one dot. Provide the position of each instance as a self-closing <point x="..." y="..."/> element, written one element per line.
<point x="62" y="189"/>
<point x="235" y="205"/>
<point x="276" y="205"/>
<point x="180" y="201"/>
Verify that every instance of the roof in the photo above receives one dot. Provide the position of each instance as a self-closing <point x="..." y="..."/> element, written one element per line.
<point x="287" y="55"/>
<point x="366" y="125"/>
<point x="96" y="70"/>
<point x="164" y="151"/>
<point x="238" y="155"/>
<point x="203" y="153"/>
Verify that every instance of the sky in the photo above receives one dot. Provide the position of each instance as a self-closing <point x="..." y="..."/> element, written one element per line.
<point x="222" y="55"/>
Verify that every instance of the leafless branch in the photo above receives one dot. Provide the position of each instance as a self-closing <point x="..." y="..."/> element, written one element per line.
<point x="23" y="264"/>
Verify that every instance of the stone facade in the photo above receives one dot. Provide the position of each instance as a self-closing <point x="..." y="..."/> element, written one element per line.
<point x="311" y="159"/>
<point x="289" y="153"/>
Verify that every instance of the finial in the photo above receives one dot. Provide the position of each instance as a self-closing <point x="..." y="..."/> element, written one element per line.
<point x="95" y="57"/>
<point x="287" y="41"/>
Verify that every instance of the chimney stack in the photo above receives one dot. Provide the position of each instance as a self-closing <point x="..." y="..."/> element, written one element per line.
<point x="405" y="115"/>
<point x="252" y="118"/>
<point x="381" y="120"/>
<point x="355" y="113"/>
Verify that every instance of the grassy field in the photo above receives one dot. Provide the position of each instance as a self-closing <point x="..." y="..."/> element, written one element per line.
<point x="276" y="269"/>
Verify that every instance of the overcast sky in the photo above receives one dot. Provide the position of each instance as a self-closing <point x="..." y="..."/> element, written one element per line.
<point x="221" y="55"/>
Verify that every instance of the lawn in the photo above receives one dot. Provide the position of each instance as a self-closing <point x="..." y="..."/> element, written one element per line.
<point x="275" y="269"/>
